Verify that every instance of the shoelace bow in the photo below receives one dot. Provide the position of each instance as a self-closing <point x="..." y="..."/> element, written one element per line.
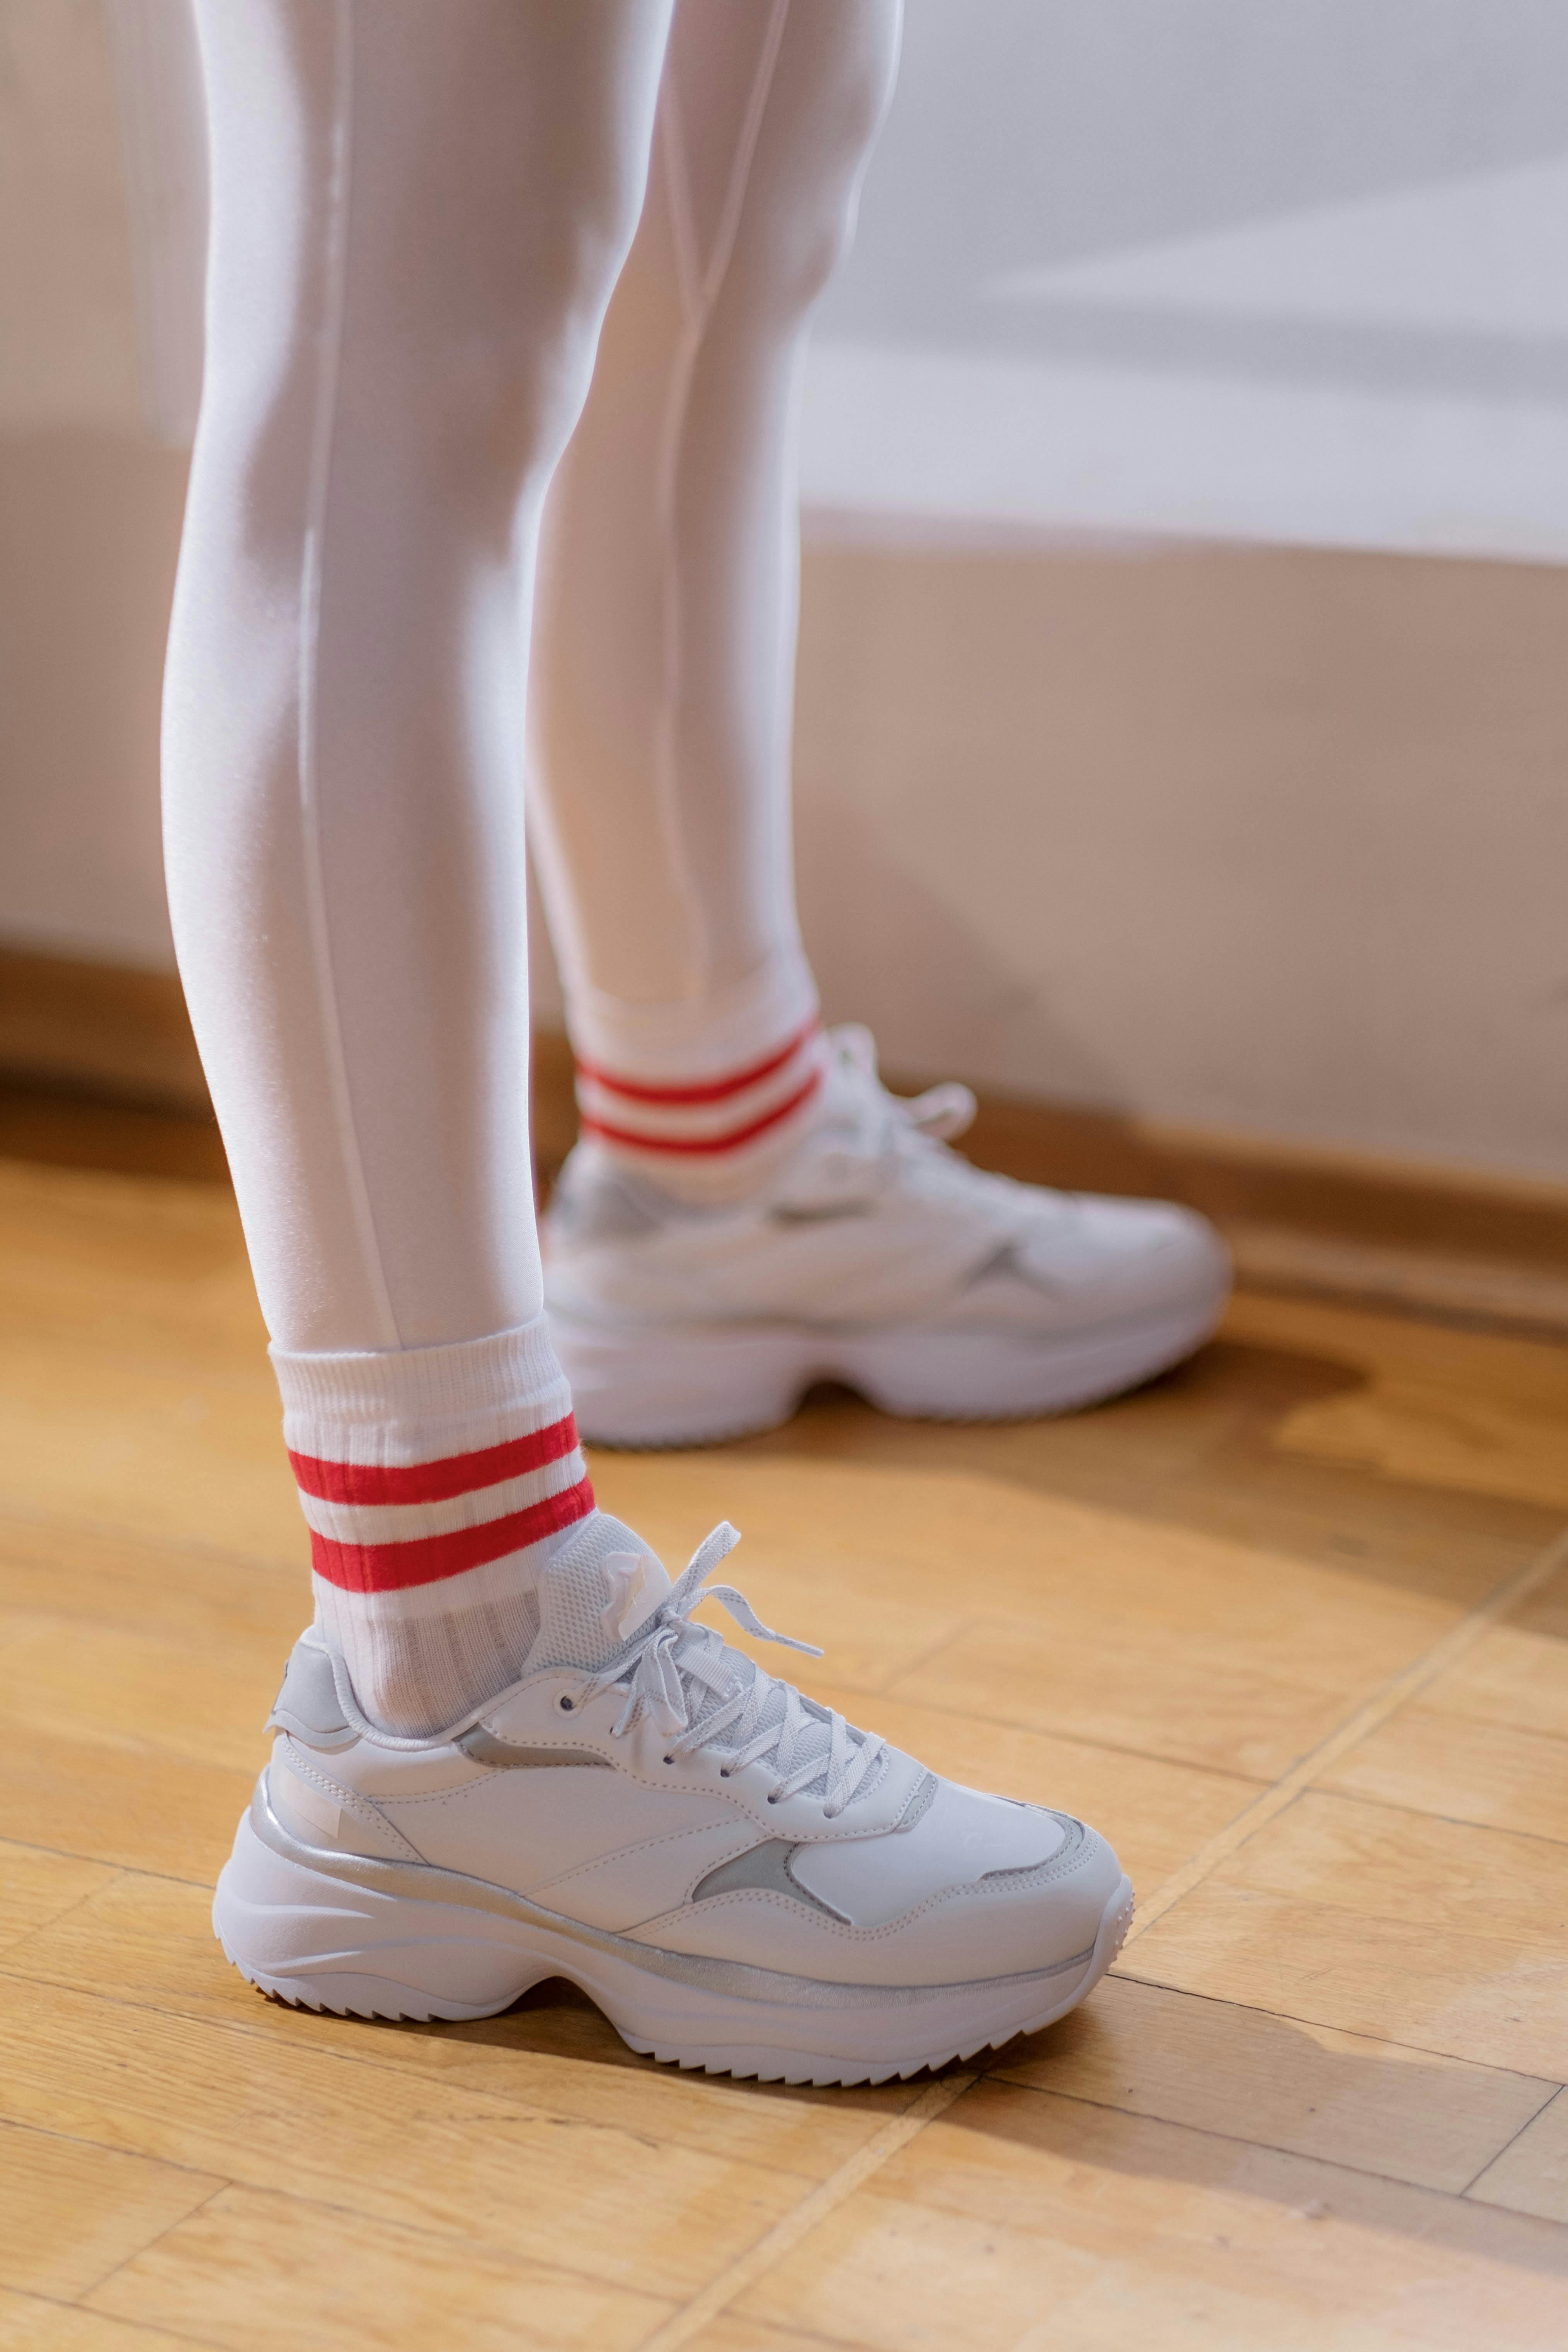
<point x="672" y="1658"/>
<point x="938" y="1115"/>
<point x="894" y="1127"/>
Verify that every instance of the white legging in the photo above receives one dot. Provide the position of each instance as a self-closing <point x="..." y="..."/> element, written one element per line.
<point x="419" y="216"/>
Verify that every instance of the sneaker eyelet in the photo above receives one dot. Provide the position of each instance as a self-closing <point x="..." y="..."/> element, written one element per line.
<point x="773" y="1800"/>
<point x="669" y="1759"/>
<point x="565" y="1704"/>
<point x="723" y="1771"/>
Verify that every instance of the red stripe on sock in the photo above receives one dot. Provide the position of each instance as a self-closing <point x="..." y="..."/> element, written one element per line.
<point x="390" y="1567"/>
<point x="731" y="1141"/>
<point x="438" y="1481"/>
<point x="713" y="1089"/>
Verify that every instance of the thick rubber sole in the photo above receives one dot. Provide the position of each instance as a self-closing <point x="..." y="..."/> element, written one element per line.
<point x="695" y="1384"/>
<point x="299" y="1929"/>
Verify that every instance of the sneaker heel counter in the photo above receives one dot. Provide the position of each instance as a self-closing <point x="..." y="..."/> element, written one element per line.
<point x="320" y="1811"/>
<point x="308" y="1705"/>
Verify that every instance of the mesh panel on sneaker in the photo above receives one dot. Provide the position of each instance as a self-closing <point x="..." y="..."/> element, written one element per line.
<point x="595" y="1594"/>
<point x="814" y="1742"/>
<point x="604" y="1586"/>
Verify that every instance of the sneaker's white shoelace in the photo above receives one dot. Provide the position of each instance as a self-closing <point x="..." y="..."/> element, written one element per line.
<point x="672" y="1662"/>
<point x="915" y="1130"/>
<point x="939" y="1114"/>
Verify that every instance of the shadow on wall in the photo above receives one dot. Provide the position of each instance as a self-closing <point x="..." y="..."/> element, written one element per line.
<point x="886" y="948"/>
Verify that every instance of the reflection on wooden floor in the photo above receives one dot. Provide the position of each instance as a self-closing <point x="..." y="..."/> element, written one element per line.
<point x="1291" y="1626"/>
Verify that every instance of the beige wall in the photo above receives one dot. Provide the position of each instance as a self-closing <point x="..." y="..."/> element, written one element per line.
<point x="1271" y="839"/>
<point x="69" y="340"/>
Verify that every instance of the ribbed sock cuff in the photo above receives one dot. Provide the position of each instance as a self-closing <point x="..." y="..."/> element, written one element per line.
<point x="436" y="1481"/>
<point x="705" y="1098"/>
<point x="699" y="1036"/>
<point x="411" y="1405"/>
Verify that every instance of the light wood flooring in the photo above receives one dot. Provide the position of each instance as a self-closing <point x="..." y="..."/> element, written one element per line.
<point x="1291" y="1626"/>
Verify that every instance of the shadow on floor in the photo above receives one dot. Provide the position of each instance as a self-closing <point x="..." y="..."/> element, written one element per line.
<point x="1311" y="2096"/>
<point x="1199" y="1449"/>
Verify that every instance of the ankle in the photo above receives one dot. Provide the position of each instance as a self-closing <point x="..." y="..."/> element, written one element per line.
<point x="436" y="1481"/>
<point x="704" y="1102"/>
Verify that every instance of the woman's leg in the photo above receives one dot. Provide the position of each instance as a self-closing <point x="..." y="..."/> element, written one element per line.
<point x="664" y="637"/>
<point x="419" y="214"/>
<point x="420" y="206"/>
<point x="752" y="1211"/>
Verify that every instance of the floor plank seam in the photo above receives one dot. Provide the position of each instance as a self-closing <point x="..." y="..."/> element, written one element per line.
<point x="46" y="1926"/>
<point x="125" y="1869"/>
<point x="142" y="2326"/>
<point x="452" y="2240"/>
<point x="124" y="2264"/>
<point x="947" y="1641"/>
<point x="1309" y="2024"/>
<point x="83" y="2139"/>
<point x="1395" y="1693"/>
<point x="1451" y="1820"/>
<point x="320" y="2203"/>
<point x="1272" y="2148"/>
<point x="791" y="2227"/>
<point x="446" y="2241"/>
<point x="364" y="2062"/>
<point x="1498" y="2153"/>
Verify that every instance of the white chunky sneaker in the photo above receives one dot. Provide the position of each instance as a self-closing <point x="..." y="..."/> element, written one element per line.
<point x="875" y="1256"/>
<point x="741" y="1880"/>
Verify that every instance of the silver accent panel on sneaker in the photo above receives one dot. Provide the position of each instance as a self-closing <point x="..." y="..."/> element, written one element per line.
<point x="503" y="1755"/>
<point x="919" y="1803"/>
<point x="425" y="1882"/>
<point x="1064" y="1859"/>
<point x="763" y="1866"/>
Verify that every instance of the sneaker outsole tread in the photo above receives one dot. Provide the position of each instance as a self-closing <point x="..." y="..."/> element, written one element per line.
<point x="392" y="2004"/>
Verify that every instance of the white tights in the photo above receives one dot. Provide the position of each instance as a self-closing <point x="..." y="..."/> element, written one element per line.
<point x="420" y="215"/>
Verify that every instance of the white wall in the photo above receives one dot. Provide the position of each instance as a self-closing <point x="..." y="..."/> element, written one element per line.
<point x="1282" y="273"/>
<point x="1268" y="839"/>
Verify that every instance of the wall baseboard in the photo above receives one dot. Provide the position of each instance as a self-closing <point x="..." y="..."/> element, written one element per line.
<point x="113" y="1031"/>
<point x="81" y="1040"/>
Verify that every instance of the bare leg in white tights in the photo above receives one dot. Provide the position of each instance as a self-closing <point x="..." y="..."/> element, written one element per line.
<point x="418" y="217"/>
<point x="420" y="210"/>
<point x="664" y="634"/>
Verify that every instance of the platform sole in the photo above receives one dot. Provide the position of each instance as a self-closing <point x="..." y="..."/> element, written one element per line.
<point x="695" y="1384"/>
<point x="330" y="1932"/>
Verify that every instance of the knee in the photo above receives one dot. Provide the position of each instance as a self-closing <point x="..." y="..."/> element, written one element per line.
<point x="495" y="362"/>
<point x="791" y="240"/>
<point x="797" y="262"/>
<point x="779" y="267"/>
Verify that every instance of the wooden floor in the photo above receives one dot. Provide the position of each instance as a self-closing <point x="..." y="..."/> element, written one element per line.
<point x="1292" y="1627"/>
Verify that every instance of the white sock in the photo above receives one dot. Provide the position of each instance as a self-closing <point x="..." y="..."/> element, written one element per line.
<point x="436" y="1482"/>
<point x="706" y="1097"/>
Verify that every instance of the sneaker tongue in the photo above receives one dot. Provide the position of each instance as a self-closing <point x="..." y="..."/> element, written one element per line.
<point x="605" y="1584"/>
<point x="595" y="1594"/>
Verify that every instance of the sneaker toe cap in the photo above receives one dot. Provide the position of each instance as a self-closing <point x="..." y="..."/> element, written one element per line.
<point x="1124" y="1258"/>
<point x="1044" y="1918"/>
